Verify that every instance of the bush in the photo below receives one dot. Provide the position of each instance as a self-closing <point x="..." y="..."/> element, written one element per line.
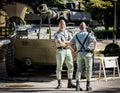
<point x="106" y="34"/>
<point x="112" y="49"/>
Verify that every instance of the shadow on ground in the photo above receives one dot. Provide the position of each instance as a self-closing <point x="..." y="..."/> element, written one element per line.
<point x="108" y="90"/>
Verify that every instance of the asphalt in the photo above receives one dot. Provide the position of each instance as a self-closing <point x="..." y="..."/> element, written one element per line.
<point x="45" y="82"/>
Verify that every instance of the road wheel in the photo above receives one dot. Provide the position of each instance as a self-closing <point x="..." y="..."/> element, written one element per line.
<point x="13" y="66"/>
<point x="12" y="22"/>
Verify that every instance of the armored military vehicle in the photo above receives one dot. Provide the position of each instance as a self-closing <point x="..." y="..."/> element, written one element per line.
<point x="73" y="14"/>
<point x="69" y="13"/>
<point x="30" y="45"/>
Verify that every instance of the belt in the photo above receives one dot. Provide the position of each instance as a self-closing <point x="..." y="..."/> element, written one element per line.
<point x="62" y="47"/>
<point x="84" y="51"/>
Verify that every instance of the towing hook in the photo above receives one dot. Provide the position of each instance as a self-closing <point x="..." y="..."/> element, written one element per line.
<point x="28" y="61"/>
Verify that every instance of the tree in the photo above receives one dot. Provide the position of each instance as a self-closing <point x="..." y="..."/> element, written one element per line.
<point x="104" y="11"/>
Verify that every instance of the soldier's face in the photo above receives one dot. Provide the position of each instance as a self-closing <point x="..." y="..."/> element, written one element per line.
<point x="82" y="27"/>
<point x="62" y="26"/>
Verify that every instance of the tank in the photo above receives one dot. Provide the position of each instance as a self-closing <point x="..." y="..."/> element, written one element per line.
<point x="69" y="13"/>
<point x="73" y="15"/>
<point x="31" y="45"/>
<point x="77" y="13"/>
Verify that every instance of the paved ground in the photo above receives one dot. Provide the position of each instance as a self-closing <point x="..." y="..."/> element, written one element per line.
<point x="44" y="81"/>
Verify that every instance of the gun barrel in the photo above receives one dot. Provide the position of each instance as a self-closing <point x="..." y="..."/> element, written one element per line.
<point x="43" y="9"/>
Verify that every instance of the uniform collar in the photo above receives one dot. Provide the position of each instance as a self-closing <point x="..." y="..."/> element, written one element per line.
<point x="63" y="32"/>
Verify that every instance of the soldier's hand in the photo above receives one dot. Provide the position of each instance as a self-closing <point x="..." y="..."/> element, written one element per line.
<point x="92" y="51"/>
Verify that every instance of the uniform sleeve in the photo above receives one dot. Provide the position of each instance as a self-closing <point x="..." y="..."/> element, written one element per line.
<point x="92" y="37"/>
<point x="57" y="38"/>
<point x="70" y="35"/>
<point x="73" y="40"/>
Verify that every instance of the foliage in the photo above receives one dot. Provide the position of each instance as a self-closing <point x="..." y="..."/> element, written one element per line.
<point x="100" y="4"/>
<point x="112" y="49"/>
<point x="106" y="34"/>
<point x="70" y="0"/>
<point x="53" y="2"/>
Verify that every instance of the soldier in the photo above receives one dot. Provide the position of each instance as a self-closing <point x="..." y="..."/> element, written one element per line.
<point x="85" y="45"/>
<point x="63" y="53"/>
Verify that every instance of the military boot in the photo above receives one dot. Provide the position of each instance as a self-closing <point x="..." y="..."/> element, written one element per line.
<point x="70" y="84"/>
<point x="59" y="85"/>
<point x="78" y="88"/>
<point x="88" y="88"/>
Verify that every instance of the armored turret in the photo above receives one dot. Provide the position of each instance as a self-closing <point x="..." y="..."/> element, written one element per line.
<point x="42" y="12"/>
<point x="43" y="9"/>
